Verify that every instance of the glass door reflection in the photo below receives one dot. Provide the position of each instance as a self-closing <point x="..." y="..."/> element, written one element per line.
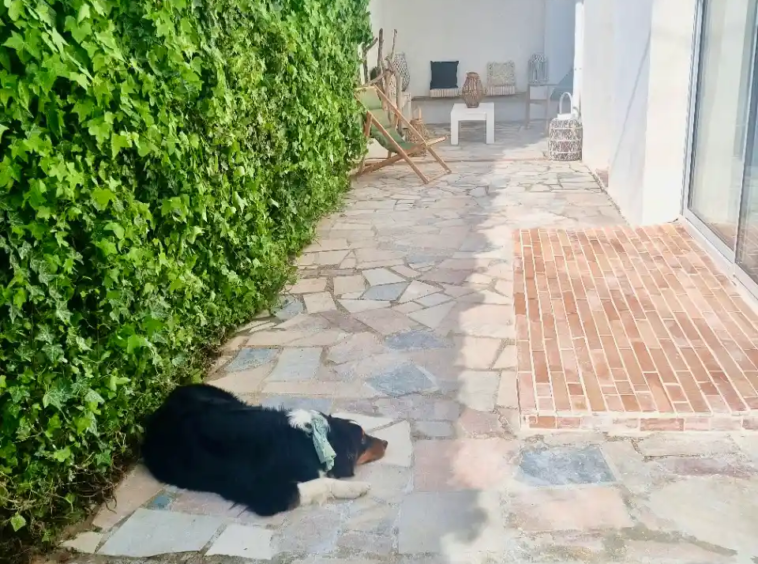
<point x="721" y="114"/>
<point x="747" y="242"/>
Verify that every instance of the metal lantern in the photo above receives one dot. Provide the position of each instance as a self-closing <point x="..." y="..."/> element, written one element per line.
<point x="564" y="142"/>
<point x="473" y="90"/>
<point x="538" y="75"/>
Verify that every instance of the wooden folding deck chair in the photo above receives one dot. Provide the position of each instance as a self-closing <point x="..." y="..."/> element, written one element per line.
<point x="378" y="126"/>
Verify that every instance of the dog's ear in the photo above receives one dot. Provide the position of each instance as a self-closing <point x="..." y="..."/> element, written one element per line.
<point x="345" y="438"/>
<point x="344" y="466"/>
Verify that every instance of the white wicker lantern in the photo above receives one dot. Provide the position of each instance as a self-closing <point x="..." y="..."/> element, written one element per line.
<point x="564" y="140"/>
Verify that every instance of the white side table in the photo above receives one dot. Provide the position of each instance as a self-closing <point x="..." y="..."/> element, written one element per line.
<point x="485" y="112"/>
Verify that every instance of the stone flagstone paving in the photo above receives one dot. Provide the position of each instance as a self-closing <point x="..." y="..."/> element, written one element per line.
<point x="403" y="319"/>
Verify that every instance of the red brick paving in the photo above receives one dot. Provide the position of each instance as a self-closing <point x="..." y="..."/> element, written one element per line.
<point x="630" y="328"/>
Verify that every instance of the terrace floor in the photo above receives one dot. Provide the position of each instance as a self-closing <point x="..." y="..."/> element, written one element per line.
<point x="460" y="321"/>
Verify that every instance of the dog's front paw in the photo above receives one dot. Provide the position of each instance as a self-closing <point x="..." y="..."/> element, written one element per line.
<point x="352" y="490"/>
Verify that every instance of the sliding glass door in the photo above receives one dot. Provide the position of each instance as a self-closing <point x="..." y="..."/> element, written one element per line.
<point x="725" y="61"/>
<point x="722" y="200"/>
<point x="747" y="239"/>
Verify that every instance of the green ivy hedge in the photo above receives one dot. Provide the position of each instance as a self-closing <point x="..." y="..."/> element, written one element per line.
<point x="162" y="161"/>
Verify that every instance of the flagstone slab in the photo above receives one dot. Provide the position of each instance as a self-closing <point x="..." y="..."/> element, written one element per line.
<point x="152" y="533"/>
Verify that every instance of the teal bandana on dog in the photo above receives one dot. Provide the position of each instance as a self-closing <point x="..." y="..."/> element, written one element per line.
<point x="324" y="450"/>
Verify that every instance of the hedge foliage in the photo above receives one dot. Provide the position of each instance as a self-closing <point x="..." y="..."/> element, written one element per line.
<point x="162" y="161"/>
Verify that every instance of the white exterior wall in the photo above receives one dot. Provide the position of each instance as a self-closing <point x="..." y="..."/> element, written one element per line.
<point x="473" y="32"/>
<point x="559" y="38"/>
<point x="598" y="69"/>
<point x="671" y="59"/>
<point x="376" y="8"/>
<point x="631" y="74"/>
<point x="635" y="101"/>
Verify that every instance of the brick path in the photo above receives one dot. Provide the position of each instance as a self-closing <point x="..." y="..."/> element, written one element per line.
<point x="403" y="318"/>
<point x="634" y="329"/>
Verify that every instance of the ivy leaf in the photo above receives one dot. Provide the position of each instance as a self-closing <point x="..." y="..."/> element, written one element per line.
<point x="57" y="395"/>
<point x="102" y="197"/>
<point x="54" y="119"/>
<point x="84" y="108"/>
<point x="15" y="9"/>
<point x="93" y="397"/>
<point x="100" y="129"/>
<point x="62" y="454"/>
<point x="84" y="12"/>
<point x="18" y="522"/>
<point x="108" y="247"/>
<point x="119" y="142"/>
<point x="5" y="59"/>
<point x="135" y="342"/>
<point x="117" y="230"/>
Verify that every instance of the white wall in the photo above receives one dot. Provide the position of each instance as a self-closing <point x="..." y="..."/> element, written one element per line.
<point x="631" y="46"/>
<point x="559" y="37"/>
<point x="637" y="64"/>
<point x="598" y="83"/>
<point x="376" y="9"/>
<point x="671" y="58"/>
<point x="473" y="32"/>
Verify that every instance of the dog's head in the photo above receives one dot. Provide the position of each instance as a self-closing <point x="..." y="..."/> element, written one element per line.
<point x="353" y="446"/>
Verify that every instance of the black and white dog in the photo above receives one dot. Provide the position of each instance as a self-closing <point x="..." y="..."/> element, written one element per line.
<point x="205" y="439"/>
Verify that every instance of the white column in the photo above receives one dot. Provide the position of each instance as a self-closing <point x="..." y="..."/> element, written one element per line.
<point x="671" y="58"/>
<point x="578" y="52"/>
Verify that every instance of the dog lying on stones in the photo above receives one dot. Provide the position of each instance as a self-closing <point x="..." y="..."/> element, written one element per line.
<point x="270" y="460"/>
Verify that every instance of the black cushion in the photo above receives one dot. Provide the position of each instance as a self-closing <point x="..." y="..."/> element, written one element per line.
<point x="444" y="75"/>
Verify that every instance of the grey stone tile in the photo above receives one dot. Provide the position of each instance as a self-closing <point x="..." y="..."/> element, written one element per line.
<point x="356" y="347"/>
<point x="370" y="515"/>
<point x="399" y="445"/>
<point x="244" y="542"/>
<point x="300" y="363"/>
<point x="290" y="307"/>
<point x="152" y="533"/>
<point x="385" y="321"/>
<point x="250" y="358"/>
<point x="386" y="292"/>
<point x="379" y="276"/>
<point x="454" y="523"/>
<point x="323" y="405"/>
<point x="719" y="512"/>
<point x="310" y="530"/>
<point x="137" y="488"/>
<point x="669" y="444"/>
<point x="371" y="543"/>
<point x="478" y="389"/>
<point x="414" y="341"/>
<point x="402" y="380"/>
<point x="389" y="483"/>
<point x="562" y="466"/>
<point x="205" y="503"/>
<point x="161" y="501"/>
<point x="434" y="429"/>
<point x="86" y="542"/>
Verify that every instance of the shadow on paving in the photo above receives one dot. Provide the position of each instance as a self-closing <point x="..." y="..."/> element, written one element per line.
<point x="403" y="319"/>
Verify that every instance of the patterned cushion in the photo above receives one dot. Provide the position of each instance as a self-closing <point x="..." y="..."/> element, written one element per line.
<point x="501" y="74"/>
<point x="400" y="68"/>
